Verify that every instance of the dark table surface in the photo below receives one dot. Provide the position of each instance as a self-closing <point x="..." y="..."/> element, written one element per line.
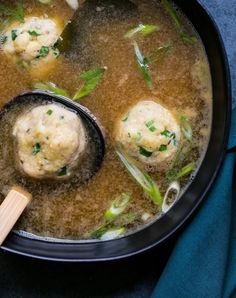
<point x="136" y="277"/>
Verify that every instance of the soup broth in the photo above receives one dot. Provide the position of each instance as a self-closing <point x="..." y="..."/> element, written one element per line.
<point x="181" y="83"/>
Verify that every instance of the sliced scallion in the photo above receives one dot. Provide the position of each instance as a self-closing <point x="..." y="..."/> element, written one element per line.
<point x="175" y="19"/>
<point x="186" y="171"/>
<point x="143" y="179"/>
<point x="113" y="233"/>
<point x="168" y="201"/>
<point x="145" y="152"/>
<point x="142" y="29"/>
<point x="91" y="79"/>
<point x="143" y="65"/>
<point x="118" y="206"/>
<point x="50" y="87"/>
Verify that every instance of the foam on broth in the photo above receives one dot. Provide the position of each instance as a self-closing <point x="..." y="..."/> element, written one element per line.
<point x="73" y="212"/>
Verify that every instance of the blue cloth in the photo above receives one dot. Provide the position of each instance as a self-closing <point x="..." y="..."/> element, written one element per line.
<point x="203" y="263"/>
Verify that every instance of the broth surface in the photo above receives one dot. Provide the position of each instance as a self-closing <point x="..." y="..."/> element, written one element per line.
<point x="74" y="211"/>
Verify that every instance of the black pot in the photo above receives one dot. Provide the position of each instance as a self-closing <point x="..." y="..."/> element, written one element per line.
<point x="156" y="233"/>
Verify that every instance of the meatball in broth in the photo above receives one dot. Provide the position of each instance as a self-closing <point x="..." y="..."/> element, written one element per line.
<point x="149" y="133"/>
<point x="33" y="41"/>
<point x="49" y="142"/>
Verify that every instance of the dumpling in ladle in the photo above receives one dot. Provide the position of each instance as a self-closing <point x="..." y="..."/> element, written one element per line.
<point x="32" y="42"/>
<point x="50" y="140"/>
<point x="149" y="133"/>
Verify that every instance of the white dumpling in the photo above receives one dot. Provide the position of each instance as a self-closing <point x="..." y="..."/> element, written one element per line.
<point x="149" y="133"/>
<point x="49" y="141"/>
<point x="32" y="41"/>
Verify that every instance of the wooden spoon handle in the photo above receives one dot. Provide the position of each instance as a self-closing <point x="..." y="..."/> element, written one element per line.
<point x="11" y="209"/>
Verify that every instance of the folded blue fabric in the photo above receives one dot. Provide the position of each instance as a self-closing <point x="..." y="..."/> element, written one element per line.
<point x="203" y="263"/>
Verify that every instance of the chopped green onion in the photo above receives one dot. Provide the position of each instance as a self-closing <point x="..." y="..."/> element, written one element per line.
<point x="50" y="87"/>
<point x="159" y="53"/>
<point x="169" y="202"/>
<point x="113" y="233"/>
<point x="162" y="148"/>
<point x="43" y="52"/>
<point x="177" y="165"/>
<point x="143" y="179"/>
<point x="143" y="29"/>
<point x="186" y="171"/>
<point x="145" y="152"/>
<point x="175" y="19"/>
<point x="170" y="135"/>
<point x="91" y="78"/>
<point x="45" y="1"/>
<point x="3" y="39"/>
<point x="150" y="125"/>
<point x="143" y="65"/>
<point x="49" y="112"/>
<point x="118" y="206"/>
<point x="34" y="33"/>
<point x="126" y="117"/>
<point x="14" y="34"/>
<point x="13" y="12"/>
<point x="36" y="149"/>
<point x="62" y="172"/>
<point x="186" y="128"/>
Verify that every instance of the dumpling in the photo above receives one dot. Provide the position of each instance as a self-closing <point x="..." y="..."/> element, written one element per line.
<point x="32" y="41"/>
<point x="49" y="142"/>
<point x="149" y="133"/>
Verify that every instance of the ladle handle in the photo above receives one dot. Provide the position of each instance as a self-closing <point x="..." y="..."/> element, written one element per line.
<point x="11" y="209"/>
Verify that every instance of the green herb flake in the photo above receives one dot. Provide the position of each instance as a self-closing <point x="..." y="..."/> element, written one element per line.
<point x="14" y="34"/>
<point x="162" y="148"/>
<point x="91" y="78"/>
<point x="43" y="52"/>
<point x="143" y="29"/>
<point x="49" y="112"/>
<point x="170" y="135"/>
<point x="3" y="39"/>
<point x="62" y="172"/>
<point x="145" y="152"/>
<point x="36" y="149"/>
<point x="62" y="117"/>
<point x="166" y="133"/>
<point x="126" y="117"/>
<point x="143" y="66"/>
<point x="34" y="33"/>
<point x="129" y="135"/>
<point x="151" y="125"/>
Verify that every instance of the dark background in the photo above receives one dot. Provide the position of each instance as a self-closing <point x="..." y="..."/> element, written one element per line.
<point x="136" y="277"/>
